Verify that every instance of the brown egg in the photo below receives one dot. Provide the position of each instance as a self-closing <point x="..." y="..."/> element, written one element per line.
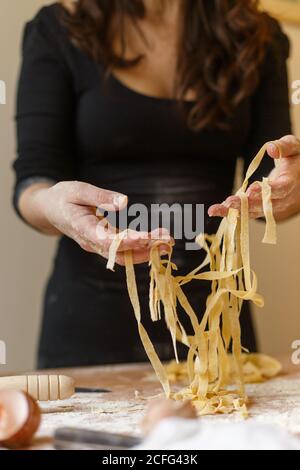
<point x="20" y="418"/>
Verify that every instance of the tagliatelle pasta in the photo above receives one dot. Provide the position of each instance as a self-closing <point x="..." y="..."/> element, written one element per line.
<point x="133" y="294"/>
<point x="216" y="368"/>
<point x="270" y="233"/>
<point x="256" y="368"/>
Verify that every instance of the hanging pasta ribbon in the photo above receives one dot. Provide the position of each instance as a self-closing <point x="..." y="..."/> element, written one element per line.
<point x="210" y="368"/>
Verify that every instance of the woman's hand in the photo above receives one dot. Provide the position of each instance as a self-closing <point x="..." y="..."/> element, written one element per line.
<point x="69" y="208"/>
<point x="284" y="181"/>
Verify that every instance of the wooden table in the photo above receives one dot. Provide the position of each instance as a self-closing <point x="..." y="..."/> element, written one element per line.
<point x="276" y="401"/>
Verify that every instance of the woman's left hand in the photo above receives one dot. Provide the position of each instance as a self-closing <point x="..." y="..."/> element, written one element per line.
<point x="284" y="181"/>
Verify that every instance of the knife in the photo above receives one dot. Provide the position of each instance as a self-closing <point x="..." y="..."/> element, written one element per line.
<point x="84" y="439"/>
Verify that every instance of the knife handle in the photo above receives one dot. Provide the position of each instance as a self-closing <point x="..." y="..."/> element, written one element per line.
<point x="85" y="439"/>
<point x="41" y="387"/>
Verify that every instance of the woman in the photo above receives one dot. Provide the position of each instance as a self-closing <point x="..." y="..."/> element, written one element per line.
<point x="148" y="101"/>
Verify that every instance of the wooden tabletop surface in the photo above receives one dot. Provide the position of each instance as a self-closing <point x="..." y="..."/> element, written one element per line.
<point x="130" y="388"/>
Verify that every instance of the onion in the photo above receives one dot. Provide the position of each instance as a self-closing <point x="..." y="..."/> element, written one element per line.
<point x="20" y="418"/>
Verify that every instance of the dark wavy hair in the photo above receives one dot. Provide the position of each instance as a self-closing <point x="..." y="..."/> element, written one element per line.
<point x="221" y="51"/>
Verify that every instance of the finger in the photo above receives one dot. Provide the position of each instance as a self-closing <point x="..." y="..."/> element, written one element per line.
<point x="255" y="208"/>
<point x="281" y="186"/>
<point x="255" y="203"/>
<point x="133" y="241"/>
<point x="223" y="212"/>
<point x="137" y="257"/>
<point x="254" y="190"/>
<point x="136" y="240"/>
<point x="256" y="215"/>
<point x="96" y="236"/>
<point x="234" y="202"/>
<point x="287" y="146"/>
<point x="160" y="234"/>
<point x="218" y="210"/>
<point x="89" y="195"/>
<point x="140" y="256"/>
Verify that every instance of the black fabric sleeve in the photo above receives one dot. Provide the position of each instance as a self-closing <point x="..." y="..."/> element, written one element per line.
<point x="45" y="113"/>
<point x="270" y="104"/>
<point x="23" y="185"/>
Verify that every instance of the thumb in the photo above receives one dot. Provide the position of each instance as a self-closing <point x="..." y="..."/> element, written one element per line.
<point x="90" y="195"/>
<point x="287" y="146"/>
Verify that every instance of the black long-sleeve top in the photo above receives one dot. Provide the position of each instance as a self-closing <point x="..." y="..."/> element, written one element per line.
<point x="74" y="125"/>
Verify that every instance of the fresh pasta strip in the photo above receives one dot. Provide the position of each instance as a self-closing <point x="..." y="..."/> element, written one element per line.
<point x="148" y="346"/>
<point x="113" y="249"/>
<point x="215" y="357"/>
<point x="270" y="232"/>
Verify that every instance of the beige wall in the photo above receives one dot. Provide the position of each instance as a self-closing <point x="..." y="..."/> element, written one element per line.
<point x="26" y="256"/>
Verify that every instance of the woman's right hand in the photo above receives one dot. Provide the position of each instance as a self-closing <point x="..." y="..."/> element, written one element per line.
<point x="69" y="208"/>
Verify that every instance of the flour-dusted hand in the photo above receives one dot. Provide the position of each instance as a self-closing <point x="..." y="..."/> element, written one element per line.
<point x="69" y="208"/>
<point x="284" y="181"/>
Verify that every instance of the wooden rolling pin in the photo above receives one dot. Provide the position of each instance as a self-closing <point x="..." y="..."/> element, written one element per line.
<point x="41" y="387"/>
